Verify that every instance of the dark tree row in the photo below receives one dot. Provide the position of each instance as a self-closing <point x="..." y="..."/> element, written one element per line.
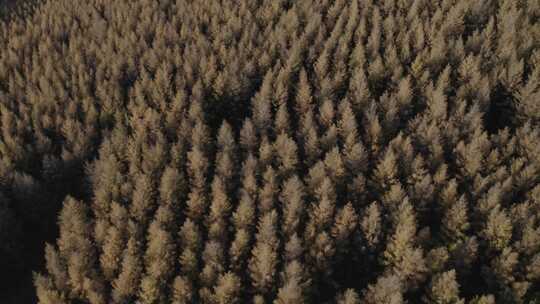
<point x="179" y="151"/>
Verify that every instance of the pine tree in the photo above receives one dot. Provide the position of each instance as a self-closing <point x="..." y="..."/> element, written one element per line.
<point x="387" y="290"/>
<point x="227" y="289"/>
<point x="294" y="286"/>
<point x="225" y="162"/>
<point x="190" y="244"/>
<point x="263" y="262"/>
<point x="291" y="197"/>
<point x="345" y="223"/>
<point x="172" y="186"/>
<point x="488" y="299"/>
<point x="266" y="194"/>
<point x="371" y="225"/>
<point x="287" y="152"/>
<point x="455" y="221"/>
<point x="498" y="230"/>
<point x="159" y="258"/>
<point x="219" y="210"/>
<point x="112" y="250"/>
<point x="46" y="292"/>
<point x="445" y="289"/>
<point x="125" y="286"/>
<point x="182" y="291"/>
<point x="213" y="266"/>
<point x="261" y="104"/>
<point x="334" y="165"/>
<point x="76" y="248"/>
<point x="56" y="268"/>
<point x="406" y="259"/>
<point x="386" y="172"/>
<point x="303" y="98"/>
<point x="348" y="297"/>
<point x="142" y="201"/>
<point x="248" y="136"/>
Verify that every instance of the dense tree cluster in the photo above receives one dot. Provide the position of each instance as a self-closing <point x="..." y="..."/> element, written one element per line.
<point x="334" y="151"/>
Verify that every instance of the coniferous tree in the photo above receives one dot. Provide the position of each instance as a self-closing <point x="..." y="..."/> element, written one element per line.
<point x="444" y="288"/>
<point x="160" y="149"/>
<point x="125" y="286"/>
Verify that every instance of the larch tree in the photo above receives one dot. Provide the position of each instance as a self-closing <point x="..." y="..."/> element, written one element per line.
<point x="269" y="151"/>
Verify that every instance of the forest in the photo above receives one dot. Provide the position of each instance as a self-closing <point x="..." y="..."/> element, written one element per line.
<point x="270" y="151"/>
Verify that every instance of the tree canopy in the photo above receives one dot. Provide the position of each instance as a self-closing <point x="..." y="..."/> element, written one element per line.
<point x="280" y="151"/>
